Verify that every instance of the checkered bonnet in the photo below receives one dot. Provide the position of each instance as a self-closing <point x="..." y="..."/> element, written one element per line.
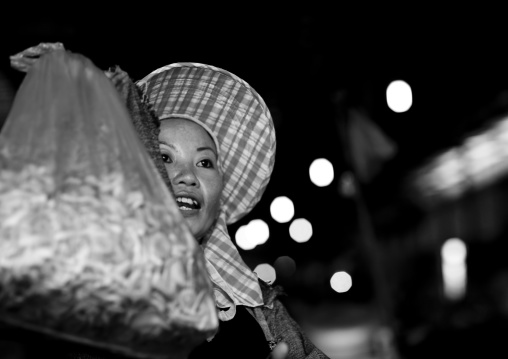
<point x="241" y="125"/>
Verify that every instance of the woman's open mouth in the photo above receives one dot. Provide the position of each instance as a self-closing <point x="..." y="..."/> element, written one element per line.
<point x="187" y="204"/>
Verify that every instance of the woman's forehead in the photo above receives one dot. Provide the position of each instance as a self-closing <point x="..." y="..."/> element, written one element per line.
<point x="187" y="128"/>
<point x="184" y="125"/>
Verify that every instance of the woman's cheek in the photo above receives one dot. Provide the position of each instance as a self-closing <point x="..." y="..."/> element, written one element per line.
<point x="217" y="193"/>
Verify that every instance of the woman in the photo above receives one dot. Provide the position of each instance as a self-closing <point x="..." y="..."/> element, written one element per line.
<point x="217" y="141"/>
<point x="217" y="144"/>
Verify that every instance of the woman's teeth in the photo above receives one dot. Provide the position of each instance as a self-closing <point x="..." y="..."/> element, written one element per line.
<point x="187" y="204"/>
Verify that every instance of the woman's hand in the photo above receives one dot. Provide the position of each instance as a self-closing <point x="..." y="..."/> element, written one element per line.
<point x="280" y="351"/>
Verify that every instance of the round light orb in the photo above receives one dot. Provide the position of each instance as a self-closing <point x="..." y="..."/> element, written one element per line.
<point x="282" y="209"/>
<point x="244" y="239"/>
<point x="321" y="172"/>
<point x="285" y="266"/>
<point x="259" y="230"/>
<point x="341" y="282"/>
<point x="300" y="230"/>
<point x="399" y="96"/>
<point x="266" y="272"/>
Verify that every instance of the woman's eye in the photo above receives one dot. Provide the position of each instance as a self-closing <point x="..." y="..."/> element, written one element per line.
<point x="166" y="158"/>
<point x="205" y="163"/>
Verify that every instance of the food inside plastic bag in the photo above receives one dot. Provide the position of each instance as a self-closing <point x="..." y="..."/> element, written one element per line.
<point x="93" y="248"/>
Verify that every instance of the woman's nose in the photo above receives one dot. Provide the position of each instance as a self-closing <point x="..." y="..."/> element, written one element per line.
<point x="184" y="174"/>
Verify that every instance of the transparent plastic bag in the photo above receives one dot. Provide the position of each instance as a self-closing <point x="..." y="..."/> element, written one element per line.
<point x="93" y="248"/>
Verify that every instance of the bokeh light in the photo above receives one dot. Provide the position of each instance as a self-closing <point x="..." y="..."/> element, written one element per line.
<point x="399" y="96"/>
<point x="266" y="272"/>
<point x="321" y="172"/>
<point x="254" y="233"/>
<point x="282" y="209"/>
<point x="341" y="282"/>
<point x="454" y="251"/>
<point x="454" y="269"/>
<point x="284" y="266"/>
<point x="347" y="185"/>
<point x="259" y="230"/>
<point x="243" y="238"/>
<point x="300" y="230"/>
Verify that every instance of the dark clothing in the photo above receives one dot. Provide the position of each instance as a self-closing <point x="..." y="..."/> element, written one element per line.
<point x="244" y="333"/>
<point x="240" y="337"/>
<point x="282" y="327"/>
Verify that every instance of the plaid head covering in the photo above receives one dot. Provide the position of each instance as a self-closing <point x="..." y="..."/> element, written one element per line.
<point x="239" y="121"/>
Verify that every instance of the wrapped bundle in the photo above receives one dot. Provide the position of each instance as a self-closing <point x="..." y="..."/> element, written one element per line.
<point x="93" y="248"/>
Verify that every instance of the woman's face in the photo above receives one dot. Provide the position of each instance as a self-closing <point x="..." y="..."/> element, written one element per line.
<point x="190" y="157"/>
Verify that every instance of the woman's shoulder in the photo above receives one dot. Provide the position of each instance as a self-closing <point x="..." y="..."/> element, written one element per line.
<point x="271" y="292"/>
<point x="240" y="337"/>
<point x="283" y="327"/>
